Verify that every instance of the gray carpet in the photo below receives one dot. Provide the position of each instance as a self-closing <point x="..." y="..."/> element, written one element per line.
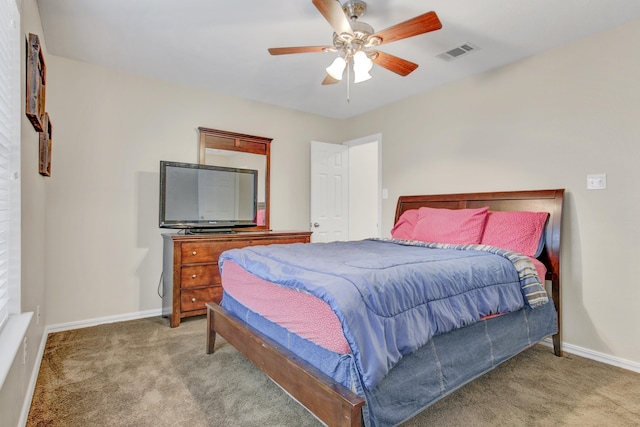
<point x="143" y="373"/>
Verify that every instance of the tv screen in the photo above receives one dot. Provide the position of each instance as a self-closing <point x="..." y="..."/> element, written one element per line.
<point x="202" y="197"/>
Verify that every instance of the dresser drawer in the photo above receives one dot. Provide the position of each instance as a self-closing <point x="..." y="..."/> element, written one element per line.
<point x="206" y="252"/>
<point x="195" y="299"/>
<point x="200" y="275"/>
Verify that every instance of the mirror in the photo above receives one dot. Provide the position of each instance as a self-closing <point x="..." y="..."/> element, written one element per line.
<point x="230" y="149"/>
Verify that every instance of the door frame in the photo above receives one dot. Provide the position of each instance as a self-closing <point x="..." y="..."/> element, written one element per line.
<point x="372" y="139"/>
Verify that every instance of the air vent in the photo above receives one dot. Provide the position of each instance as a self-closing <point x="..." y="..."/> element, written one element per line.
<point x="458" y="52"/>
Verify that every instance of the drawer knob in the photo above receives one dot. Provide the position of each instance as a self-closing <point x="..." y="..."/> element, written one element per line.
<point x="193" y="253"/>
<point x="193" y="277"/>
<point x="193" y="300"/>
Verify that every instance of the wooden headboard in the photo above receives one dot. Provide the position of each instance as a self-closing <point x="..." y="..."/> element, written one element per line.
<point x="534" y="201"/>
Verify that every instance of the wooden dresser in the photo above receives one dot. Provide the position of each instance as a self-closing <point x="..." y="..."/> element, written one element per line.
<point x="190" y="273"/>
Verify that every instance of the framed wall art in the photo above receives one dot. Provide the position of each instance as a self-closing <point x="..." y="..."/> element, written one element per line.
<point x="36" y="83"/>
<point x="44" y="165"/>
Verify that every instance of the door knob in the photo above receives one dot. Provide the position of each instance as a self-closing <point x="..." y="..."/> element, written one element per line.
<point x="316" y="225"/>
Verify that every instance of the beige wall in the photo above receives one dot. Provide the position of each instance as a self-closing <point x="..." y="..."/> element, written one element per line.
<point x="111" y="129"/>
<point x="545" y="122"/>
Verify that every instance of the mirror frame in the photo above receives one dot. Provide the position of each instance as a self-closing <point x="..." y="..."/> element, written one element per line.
<point x="232" y="141"/>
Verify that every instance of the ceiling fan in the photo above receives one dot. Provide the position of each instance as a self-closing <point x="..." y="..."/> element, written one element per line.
<point x="356" y="41"/>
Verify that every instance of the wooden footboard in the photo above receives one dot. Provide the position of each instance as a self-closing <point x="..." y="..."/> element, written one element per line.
<point x="329" y="401"/>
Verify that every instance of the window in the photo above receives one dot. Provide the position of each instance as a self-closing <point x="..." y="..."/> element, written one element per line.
<point x="13" y="323"/>
<point x="9" y="159"/>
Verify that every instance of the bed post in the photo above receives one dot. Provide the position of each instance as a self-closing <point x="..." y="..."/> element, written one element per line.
<point x="211" y="333"/>
<point x="553" y="235"/>
<point x="555" y="294"/>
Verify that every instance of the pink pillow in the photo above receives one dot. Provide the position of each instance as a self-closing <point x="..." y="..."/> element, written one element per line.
<point x="405" y="225"/>
<point x="515" y="230"/>
<point x="450" y="225"/>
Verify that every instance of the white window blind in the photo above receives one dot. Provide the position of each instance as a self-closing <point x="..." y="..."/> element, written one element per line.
<point x="9" y="151"/>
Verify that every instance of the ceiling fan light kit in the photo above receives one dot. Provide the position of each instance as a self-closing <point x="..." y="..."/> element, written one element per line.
<point x="356" y="41"/>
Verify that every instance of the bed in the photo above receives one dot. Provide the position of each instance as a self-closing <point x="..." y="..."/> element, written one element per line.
<point x="345" y="388"/>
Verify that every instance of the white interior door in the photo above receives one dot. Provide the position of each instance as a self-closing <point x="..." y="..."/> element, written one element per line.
<point x="329" y="192"/>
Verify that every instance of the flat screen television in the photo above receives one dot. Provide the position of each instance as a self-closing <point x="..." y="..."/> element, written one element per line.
<point x="206" y="198"/>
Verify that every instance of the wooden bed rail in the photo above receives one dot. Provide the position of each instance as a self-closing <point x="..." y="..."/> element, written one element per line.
<point x="328" y="400"/>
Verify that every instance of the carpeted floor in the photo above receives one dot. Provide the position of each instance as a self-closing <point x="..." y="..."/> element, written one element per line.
<point x="143" y="373"/>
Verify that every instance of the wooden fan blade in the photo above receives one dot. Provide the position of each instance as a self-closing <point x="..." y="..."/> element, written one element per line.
<point x="298" y="49"/>
<point x="333" y="13"/>
<point x="395" y="64"/>
<point x="328" y="80"/>
<point x="413" y="27"/>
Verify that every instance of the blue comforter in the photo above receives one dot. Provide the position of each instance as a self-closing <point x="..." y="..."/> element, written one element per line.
<point x="391" y="297"/>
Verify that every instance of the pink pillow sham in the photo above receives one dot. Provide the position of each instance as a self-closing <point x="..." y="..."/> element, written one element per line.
<point x="405" y="225"/>
<point x="518" y="231"/>
<point x="450" y="225"/>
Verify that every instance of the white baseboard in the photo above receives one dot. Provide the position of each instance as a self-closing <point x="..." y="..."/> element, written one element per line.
<point x="597" y="356"/>
<point x="101" y="321"/>
<point x="66" y="327"/>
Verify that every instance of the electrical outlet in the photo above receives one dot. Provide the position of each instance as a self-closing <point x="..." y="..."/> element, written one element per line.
<point x="24" y="351"/>
<point x="38" y="314"/>
<point x="597" y="182"/>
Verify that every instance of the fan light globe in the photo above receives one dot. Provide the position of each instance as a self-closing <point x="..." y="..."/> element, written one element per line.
<point x="336" y="68"/>
<point x="360" y="76"/>
<point x="360" y="59"/>
<point x="362" y="64"/>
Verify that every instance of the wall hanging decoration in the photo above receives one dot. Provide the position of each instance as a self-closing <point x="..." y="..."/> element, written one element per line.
<point x="45" y="147"/>
<point x="36" y="83"/>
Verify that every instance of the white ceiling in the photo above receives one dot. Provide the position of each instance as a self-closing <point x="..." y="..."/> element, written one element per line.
<point x="222" y="45"/>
